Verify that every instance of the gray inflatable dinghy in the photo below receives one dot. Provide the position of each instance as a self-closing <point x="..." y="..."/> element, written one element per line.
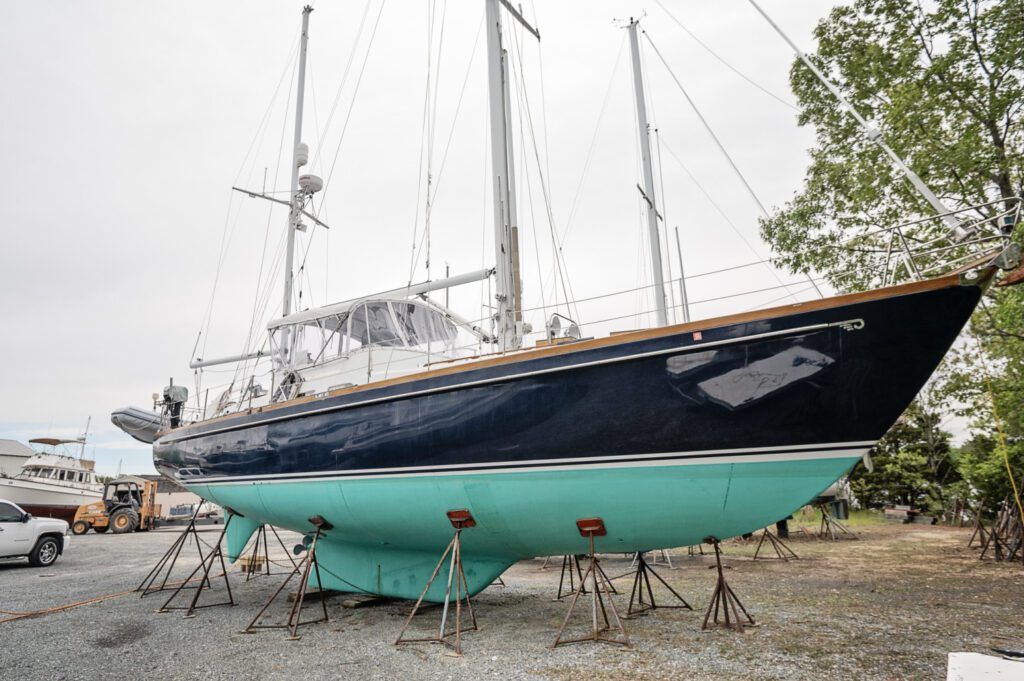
<point x="141" y="424"/>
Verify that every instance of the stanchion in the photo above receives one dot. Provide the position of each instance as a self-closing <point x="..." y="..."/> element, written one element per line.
<point x="599" y="584"/>
<point x="205" y="582"/>
<point x="724" y="600"/>
<point x="307" y="566"/>
<point x="641" y="583"/>
<point x="782" y="550"/>
<point x="460" y="520"/>
<point x="166" y="563"/>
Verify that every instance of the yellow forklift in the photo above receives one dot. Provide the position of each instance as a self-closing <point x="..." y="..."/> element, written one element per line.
<point x="125" y="507"/>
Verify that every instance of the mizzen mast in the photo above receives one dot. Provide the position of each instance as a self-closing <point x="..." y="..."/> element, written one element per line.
<point x="660" y="305"/>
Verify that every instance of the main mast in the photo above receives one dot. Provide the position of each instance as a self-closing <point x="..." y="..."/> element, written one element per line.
<point x="508" y="317"/>
<point x="661" y="307"/>
<point x="298" y="160"/>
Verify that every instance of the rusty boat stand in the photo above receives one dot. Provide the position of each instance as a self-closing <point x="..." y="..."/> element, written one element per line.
<point x="205" y="582"/>
<point x="571" y="564"/>
<point x="305" y="567"/>
<point x="258" y="559"/>
<point x="460" y="520"/>
<point x="599" y="584"/>
<point x="642" y="583"/>
<point x="165" y="566"/>
<point x="724" y="601"/>
<point x="832" y="527"/>
<point x="781" y="548"/>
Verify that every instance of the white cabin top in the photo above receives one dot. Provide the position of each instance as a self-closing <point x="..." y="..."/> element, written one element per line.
<point x="59" y="468"/>
<point x="389" y="322"/>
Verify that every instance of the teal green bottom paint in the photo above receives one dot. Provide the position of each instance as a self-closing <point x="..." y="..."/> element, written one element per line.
<point x="388" y="533"/>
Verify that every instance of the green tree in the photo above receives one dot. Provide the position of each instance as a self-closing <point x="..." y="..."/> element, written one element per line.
<point x="946" y="90"/>
<point x="913" y="464"/>
<point x="944" y="84"/>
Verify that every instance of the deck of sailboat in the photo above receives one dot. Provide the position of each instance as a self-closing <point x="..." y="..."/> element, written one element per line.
<point x="483" y="361"/>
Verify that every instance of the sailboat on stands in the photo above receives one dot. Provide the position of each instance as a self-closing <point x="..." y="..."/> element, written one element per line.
<point x="380" y="419"/>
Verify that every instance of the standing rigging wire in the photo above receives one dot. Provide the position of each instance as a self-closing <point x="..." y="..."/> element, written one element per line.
<point x="355" y="92"/>
<point x="559" y="240"/>
<point x="718" y="142"/>
<point x="665" y="253"/>
<point x="642" y="246"/>
<point x="344" y="79"/>
<point x="229" y="225"/>
<point x="664" y="222"/>
<point x="723" y="61"/>
<point x="528" y="183"/>
<point x="429" y="134"/>
<point x="323" y="200"/>
<point x="458" y="109"/>
<point x="728" y="221"/>
<point x="593" y="144"/>
<point x="543" y="103"/>
<point x="485" y="290"/>
<point x="559" y="260"/>
<point x="242" y="367"/>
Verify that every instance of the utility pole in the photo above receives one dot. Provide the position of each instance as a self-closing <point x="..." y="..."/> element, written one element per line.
<point x="661" y="306"/>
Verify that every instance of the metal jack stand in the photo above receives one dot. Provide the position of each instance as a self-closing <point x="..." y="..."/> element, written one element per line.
<point x="305" y="567"/>
<point x="258" y="560"/>
<point x="662" y="554"/>
<point x="833" y="527"/>
<point x="166" y="563"/>
<point x="590" y="528"/>
<point x="980" y="532"/>
<point x="205" y="582"/>
<point x="643" y="581"/>
<point x="570" y="564"/>
<point x="782" y="550"/>
<point x="460" y="520"/>
<point x="724" y="599"/>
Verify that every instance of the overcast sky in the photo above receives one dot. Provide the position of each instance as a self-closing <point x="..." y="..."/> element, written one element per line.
<point x="125" y="124"/>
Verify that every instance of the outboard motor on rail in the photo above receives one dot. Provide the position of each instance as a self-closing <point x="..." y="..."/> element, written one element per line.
<point x="173" y="403"/>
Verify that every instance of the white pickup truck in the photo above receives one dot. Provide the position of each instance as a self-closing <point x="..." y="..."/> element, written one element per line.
<point x="41" y="540"/>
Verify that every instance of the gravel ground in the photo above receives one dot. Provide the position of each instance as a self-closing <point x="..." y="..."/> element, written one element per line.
<point x="887" y="607"/>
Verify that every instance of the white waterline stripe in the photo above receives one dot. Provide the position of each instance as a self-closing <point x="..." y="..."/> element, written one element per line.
<point x="642" y="460"/>
<point x="527" y="374"/>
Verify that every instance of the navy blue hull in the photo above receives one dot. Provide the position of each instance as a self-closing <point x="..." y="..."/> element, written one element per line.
<point x="842" y="374"/>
